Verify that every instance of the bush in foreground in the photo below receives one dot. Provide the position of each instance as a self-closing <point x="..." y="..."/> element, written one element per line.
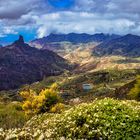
<point x="101" y="120"/>
<point x="40" y="103"/>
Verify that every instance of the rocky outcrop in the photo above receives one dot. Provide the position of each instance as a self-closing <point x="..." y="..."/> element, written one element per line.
<point x="21" y="64"/>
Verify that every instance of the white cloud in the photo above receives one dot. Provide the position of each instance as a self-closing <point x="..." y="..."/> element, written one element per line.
<point x="6" y="30"/>
<point x="14" y="9"/>
<point x="84" y="5"/>
<point x="9" y="30"/>
<point x="66" y="21"/>
<point x="89" y="16"/>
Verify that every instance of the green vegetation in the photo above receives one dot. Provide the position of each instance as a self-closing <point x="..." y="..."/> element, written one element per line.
<point x="11" y="115"/>
<point x="102" y="119"/>
<point x="135" y="92"/>
<point x="97" y="119"/>
<point x="104" y="83"/>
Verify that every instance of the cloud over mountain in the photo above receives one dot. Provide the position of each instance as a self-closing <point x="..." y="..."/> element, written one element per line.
<point x="64" y="16"/>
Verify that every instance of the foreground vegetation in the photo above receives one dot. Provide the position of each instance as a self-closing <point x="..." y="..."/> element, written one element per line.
<point x="101" y="119"/>
<point x="11" y="115"/>
<point x="53" y="119"/>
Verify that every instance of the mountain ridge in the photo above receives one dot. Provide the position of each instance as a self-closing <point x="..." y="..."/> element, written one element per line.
<point x="21" y="64"/>
<point x="128" y="45"/>
<point x="73" y="38"/>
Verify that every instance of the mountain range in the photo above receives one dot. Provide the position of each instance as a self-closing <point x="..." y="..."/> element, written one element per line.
<point x="128" y="45"/>
<point x="21" y="64"/>
<point x="54" y="41"/>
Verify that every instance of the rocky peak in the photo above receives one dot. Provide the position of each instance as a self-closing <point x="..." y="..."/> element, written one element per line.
<point x="20" y="41"/>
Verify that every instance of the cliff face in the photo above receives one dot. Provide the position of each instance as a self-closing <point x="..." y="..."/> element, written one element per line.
<point x="21" y="64"/>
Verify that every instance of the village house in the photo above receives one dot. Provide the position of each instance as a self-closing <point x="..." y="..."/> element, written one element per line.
<point x="87" y="86"/>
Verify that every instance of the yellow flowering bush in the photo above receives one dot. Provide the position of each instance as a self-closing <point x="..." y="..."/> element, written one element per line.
<point x="57" y="108"/>
<point x="39" y="103"/>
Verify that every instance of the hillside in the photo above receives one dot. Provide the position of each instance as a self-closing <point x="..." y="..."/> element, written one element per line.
<point x="21" y="64"/>
<point x="128" y="45"/>
<point x="106" y="83"/>
<point x="120" y="53"/>
<point x="89" y="62"/>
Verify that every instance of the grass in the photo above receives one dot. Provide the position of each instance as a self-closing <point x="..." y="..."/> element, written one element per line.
<point x="11" y="115"/>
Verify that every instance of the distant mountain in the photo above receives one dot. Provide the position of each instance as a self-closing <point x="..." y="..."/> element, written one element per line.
<point x="128" y="45"/>
<point x="54" y="40"/>
<point x="22" y="64"/>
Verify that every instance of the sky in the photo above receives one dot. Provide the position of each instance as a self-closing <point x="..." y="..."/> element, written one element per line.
<point x="38" y="18"/>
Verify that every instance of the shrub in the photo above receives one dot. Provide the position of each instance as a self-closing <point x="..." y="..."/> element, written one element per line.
<point x="57" y="108"/>
<point x="39" y="103"/>
<point x="106" y="119"/>
<point x="103" y="119"/>
<point x="135" y="92"/>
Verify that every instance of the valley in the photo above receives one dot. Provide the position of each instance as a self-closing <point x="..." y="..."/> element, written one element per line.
<point x="84" y="75"/>
<point x="78" y="65"/>
<point x="86" y="54"/>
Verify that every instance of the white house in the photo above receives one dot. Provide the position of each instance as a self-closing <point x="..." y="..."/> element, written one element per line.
<point x="87" y="86"/>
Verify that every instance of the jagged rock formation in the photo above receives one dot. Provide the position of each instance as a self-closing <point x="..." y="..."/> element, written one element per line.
<point x="21" y="64"/>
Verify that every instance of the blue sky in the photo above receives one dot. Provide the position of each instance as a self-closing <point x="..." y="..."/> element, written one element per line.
<point x="61" y="3"/>
<point x="38" y="18"/>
